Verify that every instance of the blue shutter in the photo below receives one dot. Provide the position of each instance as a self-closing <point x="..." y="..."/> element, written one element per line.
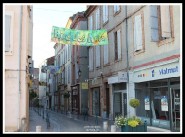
<point x="154" y="23"/>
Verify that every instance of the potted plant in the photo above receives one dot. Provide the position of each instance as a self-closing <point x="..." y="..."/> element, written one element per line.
<point x="132" y="124"/>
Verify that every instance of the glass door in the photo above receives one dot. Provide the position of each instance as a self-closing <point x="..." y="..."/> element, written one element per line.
<point x="117" y="104"/>
<point x="175" y="108"/>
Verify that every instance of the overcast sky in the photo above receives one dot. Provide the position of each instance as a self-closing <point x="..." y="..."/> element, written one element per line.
<point x="44" y="17"/>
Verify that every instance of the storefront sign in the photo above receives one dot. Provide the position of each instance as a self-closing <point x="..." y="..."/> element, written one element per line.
<point x="84" y="85"/>
<point x="112" y="80"/>
<point x="164" y="103"/>
<point x="79" y="37"/>
<point x="147" y="103"/>
<point x="122" y="76"/>
<point x="160" y="72"/>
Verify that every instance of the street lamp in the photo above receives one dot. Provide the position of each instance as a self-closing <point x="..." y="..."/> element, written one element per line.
<point x="79" y="72"/>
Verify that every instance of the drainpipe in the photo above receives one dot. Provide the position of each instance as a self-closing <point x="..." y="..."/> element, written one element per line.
<point x="19" y="65"/>
<point x="127" y="55"/>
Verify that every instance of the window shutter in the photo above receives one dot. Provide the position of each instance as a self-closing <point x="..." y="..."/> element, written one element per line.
<point x="119" y="43"/>
<point x="106" y="19"/>
<point x="105" y="54"/>
<point x="90" y="23"/>
<point x="91" y="58"/>
<point x="115" y="8"/>
<point x="137" y="33"/>
<point x="7" y="32"/>
<point x="97" y="18"/>
<point x="97" y="56"/>
<point x="105" y="13"/>
<point x="165" y="21"/>
<point x="154" y="23"/>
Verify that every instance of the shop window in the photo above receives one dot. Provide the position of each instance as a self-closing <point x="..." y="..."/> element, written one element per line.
<point x="142" y="93"/>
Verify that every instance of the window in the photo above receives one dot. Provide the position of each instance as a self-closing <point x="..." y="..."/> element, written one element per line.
<point x="160" y="21"/>
<point x="116" y="8"/>
<point x="90" y="23"/>
<point x="138" y="33"/>
<point x="117" y="45"/>
<point x="91" y="58"/>
<point x="69" y="52"/>
<point x="9" y="18"/>
<point x="58" y="60"/>
<point x="105" y="13"/>
<point x="97" y="56"/>
<point x="69" y="74"/>
<point x="97" y="19"/>
<point x="105" y="54"/>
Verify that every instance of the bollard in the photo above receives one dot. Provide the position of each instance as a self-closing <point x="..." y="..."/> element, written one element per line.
<point x="38" y="128"/>
<point x="105" y="125"/>
<point x="113" y="128"/>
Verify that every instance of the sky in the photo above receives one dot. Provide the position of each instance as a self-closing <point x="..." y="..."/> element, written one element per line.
<point x="44" y="17"/>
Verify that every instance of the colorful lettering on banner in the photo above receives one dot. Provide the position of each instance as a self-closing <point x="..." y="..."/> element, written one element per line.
<point x="79" y="37"/>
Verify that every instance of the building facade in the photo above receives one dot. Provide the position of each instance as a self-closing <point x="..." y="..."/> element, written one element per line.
<point x="79" y="72"/>
<point x="18" y="24"/>
<point x="142" y="60"/>
<point x="154" y="74"/>
<point x="108" y="63"/>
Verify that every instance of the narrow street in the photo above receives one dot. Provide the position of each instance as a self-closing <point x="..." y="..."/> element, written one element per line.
<point x="63" y="123"/>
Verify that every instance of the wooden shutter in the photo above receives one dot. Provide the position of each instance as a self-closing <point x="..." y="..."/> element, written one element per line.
<point x="106" y="17"/>
<point x="154" y="23"/>
<point x="90" y="23"/>
<point x="7" y="32"/>
<point x="97" y="56"/>
<point x="165" y="21"/>
<point x="91" y="58"/>
<point x="98" y="18"/>
<point x="105" y="54"/>
<point x="119" y="43"/>
<point x="137" y="33"/>
<point x="116" y="8"/>
<point x="105" y="13"/>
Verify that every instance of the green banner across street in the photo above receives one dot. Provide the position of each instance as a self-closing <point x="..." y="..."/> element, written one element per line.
<point x="79" y="37"/>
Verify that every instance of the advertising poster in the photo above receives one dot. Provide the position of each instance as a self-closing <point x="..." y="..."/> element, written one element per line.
<point x="164" y="103"/>
<point x="147" y="103"/>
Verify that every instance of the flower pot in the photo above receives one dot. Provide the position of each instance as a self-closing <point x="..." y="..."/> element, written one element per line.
<point x="139" y="128"/>
<point x="124" y="128"/>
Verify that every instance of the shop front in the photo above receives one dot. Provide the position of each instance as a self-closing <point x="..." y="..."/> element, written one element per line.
<point x="158" y="89"/>
<point x="119" y="94"/>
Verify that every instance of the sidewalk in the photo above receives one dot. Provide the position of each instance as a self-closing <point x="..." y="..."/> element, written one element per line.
<point x="37" y="120"/>
<point x="75" y="123"/>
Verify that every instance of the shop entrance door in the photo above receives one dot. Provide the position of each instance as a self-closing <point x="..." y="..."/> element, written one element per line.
<point x="175" y="108"/>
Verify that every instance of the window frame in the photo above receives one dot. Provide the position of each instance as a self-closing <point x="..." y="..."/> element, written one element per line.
<point x="9" y="13"/>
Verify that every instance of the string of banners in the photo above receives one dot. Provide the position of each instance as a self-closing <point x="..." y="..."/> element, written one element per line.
<point x="79" y="37"/>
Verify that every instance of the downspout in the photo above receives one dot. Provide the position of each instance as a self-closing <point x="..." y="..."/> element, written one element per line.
<point x="127" y="56"/>
<point x="19" y="65"/>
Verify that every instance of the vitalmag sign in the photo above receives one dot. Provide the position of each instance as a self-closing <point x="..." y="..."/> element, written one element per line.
<point x="79" y="37"/>
<point x="160" y="72"/>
